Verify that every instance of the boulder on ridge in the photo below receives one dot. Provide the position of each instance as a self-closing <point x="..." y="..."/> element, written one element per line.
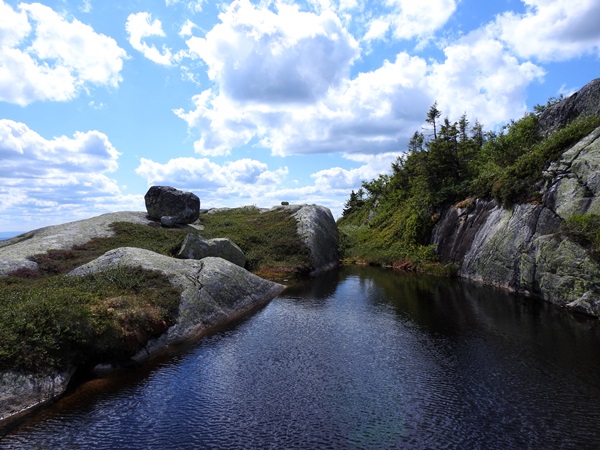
<point x="172" y="206"/>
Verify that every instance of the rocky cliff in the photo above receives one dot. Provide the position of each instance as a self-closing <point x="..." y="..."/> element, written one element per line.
<point x="524" y="249"/>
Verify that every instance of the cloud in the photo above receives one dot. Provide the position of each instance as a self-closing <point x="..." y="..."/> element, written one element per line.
<point x="244" y="178"/>
<point x="194" y="5"/>
<point x="338" y="178"/>
<point x="408" y="19"/>
<point x="86" y="6"/>
<point x="551" y="30"/>
<point x="481" y="78"/>
<point x="187" y="29"/>
<point x="247" y="181"/>
<point x="370" y="113"/>
<point x="140" y="26"/>
<point x="374" y="112"/>
<point x="284" y="79"/>
<point x="44" y="56"/>
<point x="48" y="180"/>
<point x="257" y="55"/>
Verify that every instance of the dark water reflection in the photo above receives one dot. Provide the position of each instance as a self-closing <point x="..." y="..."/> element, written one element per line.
<point x="360" y="358"/>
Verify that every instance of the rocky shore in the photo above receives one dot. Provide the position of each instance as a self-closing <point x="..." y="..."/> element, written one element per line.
<point x="214" y="290"/>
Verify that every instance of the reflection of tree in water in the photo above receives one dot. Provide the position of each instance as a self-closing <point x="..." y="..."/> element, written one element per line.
<point x="459" y="308"/>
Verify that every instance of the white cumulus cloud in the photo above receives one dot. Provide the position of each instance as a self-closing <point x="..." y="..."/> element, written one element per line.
<point x="552" y="30"/>
<point x="45" y="56"/>
<point x="408" y="19"/>
<point x="55" y="180"/>
<point x="141" y="26"/>
<point x="257" y="55"/>
<point x="481" y="78"/>
<point x="240" y="179"/>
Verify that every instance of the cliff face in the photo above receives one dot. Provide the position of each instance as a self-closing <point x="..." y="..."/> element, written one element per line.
<point x="584" y="103"/>
<point x="523" y="249"/>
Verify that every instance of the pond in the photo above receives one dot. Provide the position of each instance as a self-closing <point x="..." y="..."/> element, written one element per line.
<point x="357" y="358"/>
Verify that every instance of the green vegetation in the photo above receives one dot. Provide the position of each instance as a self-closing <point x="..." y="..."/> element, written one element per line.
<point x="165" y="241"/>
<point x="389" y="220"/>
<point x="269" y="239"/>
<point x="49" y="320"/>
<point x="57" y="321"/>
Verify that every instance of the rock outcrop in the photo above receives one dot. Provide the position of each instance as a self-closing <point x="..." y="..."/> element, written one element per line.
<point x="20" y="392"/>
<point x="523" y="249"/>
<point x="172" y="206"/>
<point x="196" y="247"/>
<point x="583" y="103"/>
<point x="318" y="230"/>
<point x="15" y="252"/>
<point x="214" y="291"/>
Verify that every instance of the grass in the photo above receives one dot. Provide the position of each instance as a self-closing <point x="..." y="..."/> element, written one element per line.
<point x="268" y="239"/>
<point x="519" y="182"/>
<point x="51" y="321"/>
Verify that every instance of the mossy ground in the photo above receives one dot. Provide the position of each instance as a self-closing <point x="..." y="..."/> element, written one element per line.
<point x="269" y="240"/>
<point x="57" y="321"/>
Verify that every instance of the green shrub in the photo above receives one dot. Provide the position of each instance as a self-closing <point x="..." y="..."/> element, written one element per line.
<point x="58" y="321"/>
<point x="392" y="218"/>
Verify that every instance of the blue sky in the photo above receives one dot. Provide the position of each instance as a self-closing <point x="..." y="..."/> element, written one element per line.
<point x="257" y="102"/>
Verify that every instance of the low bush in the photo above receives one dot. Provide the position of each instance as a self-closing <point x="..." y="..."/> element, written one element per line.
<point x="54" y="322"/>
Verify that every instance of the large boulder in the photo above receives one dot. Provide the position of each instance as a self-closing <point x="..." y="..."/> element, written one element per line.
<point x="196" y="247"/>
<point x="172" y="206"/>
<point x="318" y="230"/>
<point x="214" y="291"/>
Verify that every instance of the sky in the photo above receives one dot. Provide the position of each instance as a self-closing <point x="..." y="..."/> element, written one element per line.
<point x="257" y="102"/>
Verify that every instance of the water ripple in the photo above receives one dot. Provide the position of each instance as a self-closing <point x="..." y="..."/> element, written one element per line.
<point x="375" y="361"/>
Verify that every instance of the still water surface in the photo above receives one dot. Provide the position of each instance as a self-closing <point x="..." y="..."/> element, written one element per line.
<point x="360" y="358"/>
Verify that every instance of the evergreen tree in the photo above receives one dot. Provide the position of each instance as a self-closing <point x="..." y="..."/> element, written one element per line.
<point x="432" y="116"/>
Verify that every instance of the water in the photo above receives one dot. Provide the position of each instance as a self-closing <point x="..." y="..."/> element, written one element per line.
<point x="361" y="358"/>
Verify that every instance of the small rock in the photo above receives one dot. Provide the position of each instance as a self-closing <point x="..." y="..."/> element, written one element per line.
<point x="196" y="247"/>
